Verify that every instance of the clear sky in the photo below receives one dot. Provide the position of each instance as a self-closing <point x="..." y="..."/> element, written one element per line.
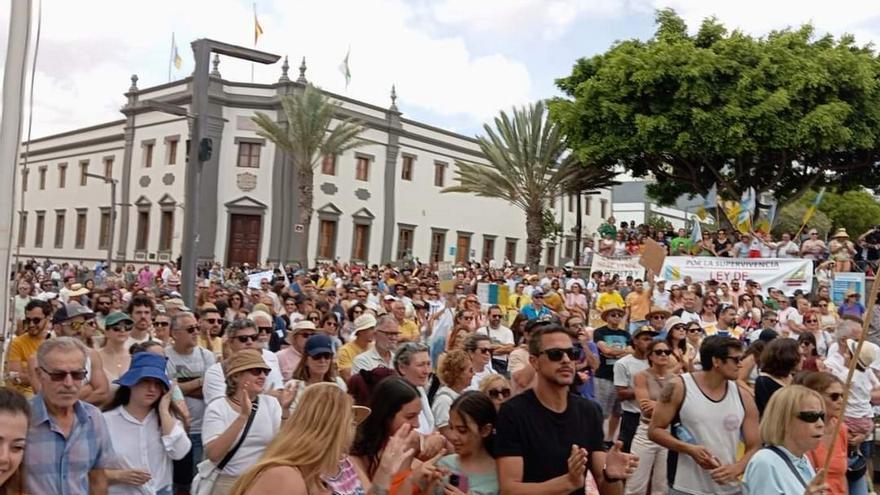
<point x="455" y="63"/>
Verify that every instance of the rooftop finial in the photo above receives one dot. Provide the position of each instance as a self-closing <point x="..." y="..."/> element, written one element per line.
<point x="302" y="72"/>
<point x="393" y="98"/>
<point x="134" y="83"/>
<point x="215" y="71"/>
<point x="284" y="68"/>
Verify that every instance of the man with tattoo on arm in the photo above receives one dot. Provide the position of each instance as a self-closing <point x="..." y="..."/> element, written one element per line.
<point x="708" y="414"/>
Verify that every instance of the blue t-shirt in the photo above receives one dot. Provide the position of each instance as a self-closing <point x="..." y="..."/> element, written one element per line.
<point x="532" y="313"/>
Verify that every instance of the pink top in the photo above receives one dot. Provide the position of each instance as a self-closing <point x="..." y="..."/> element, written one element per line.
<point x="288" y="360"/>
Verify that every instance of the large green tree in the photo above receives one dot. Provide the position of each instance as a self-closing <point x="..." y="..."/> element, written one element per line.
<point x="528" y="165"/>
<point x="306" y="137"/>
<point x="781" y="114"/>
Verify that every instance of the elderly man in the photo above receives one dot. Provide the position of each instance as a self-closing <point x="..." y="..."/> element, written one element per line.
<point x="409" y="331"/>
<point x="289" y="357"/>
<point x="187" y="363"/>
<point x="364" y="333"/>
<point x="265" y="324"/>
<point x="381" y="354"/>
<point x="242" y="334"/>
<point x="69" y="444"/>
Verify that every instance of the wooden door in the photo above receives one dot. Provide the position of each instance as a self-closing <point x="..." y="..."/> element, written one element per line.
<point x="244" y="240"/>
<point x="463" y="249"/>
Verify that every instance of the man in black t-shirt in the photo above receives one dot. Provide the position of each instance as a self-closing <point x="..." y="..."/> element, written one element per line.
<point x="613" y="343"/>
<point x="546" y="438"/>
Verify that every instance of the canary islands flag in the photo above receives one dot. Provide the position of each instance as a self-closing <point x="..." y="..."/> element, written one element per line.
<point x="258" y="29"/>
<point x="175" y="56"/>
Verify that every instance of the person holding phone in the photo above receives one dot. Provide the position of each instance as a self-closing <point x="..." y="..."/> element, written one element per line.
<point x="472" y="468"/>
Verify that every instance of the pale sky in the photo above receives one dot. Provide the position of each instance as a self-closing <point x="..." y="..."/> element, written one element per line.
<point x="455" y="63"/>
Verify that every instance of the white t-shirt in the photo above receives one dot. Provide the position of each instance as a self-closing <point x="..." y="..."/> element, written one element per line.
<point x="220" y="414"/>
<point x="214" y="384"/>
<point x="624" y="371"/>
<point x="858" y="404"/>
<point x="501" y="335"/>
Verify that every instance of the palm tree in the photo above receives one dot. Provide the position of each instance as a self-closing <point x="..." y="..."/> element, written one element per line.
<point x="306" y="138"/>
<point x="528" y="167"/>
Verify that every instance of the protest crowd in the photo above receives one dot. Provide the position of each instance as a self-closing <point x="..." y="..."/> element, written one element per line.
<point x="479" y="378"/>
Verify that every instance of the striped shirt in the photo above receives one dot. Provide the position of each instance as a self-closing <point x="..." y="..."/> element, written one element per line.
<point x="60" y="465"/>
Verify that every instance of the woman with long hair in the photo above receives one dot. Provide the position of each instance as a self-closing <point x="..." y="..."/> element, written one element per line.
<point x="329" y="326"/>
<point x="708" y="318"/>
<point x="576" y="301"/>
<point x="115" y="355"/>
<point x="821" y="339"/>
<point x="828" y="317"/>
<point x="647" y="385"/>
<point x="317" y="365"/>
<point x="676" y="298"/>
<point x="747" y="315"/>
<point x="695" y="335"/>
<point x="471" y="431"/>
<point x="831" y="389"/>
<point x="455" y="372"/>
<point x="145" y="425"/>
<point x="310" y="455"/>
<point x="676" y="338"/>
<point x="236" y="307"/>
<point x="14" y="421"/>
<point x="463" y="327"/>
<point x="751" y="365"/>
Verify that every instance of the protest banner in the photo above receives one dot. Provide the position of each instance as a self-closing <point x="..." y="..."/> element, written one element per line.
<point x="653" y="256"/>
<point x="844" y="282"/>
<point x="785" y="274"/>
<point x="254" y="278"/>
<point x="492" y="293"/>
<point x="446" y="277"/>
<point x="622" y="266"/>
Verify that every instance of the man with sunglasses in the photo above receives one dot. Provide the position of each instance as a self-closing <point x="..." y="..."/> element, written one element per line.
<point x="242" y="334"/>
<point x="187" y="363"/>
<point x="387" y="338"/>
<point x="210" y="323"/>
<point x="24" y="346"/>
<point x="547" y="438"/>
<point x="69" y="444"/>
<point x="625" y="370"/>
<point x="501" y="337"/>
<point x="77" y="321"/>
<point x="289" y="357"/>
<point x="710" y="414"/>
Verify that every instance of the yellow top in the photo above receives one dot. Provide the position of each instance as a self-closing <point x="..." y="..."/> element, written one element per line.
<point x="409" y="331"/>
<point x="20" y="349"/>
<point x="609" y="300"/>
<point x="346" y="354"/>
<point x="215" y="346"/>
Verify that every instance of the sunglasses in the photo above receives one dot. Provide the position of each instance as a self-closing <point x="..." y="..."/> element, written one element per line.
<point x="60" y="376"/>
<point x="330" y="323"/>
<point x="265" y="329"/>
<point x="735" y="359"/>
<point x="810" y="416"/>
<point x="32" y="321"/>
<point x="259" y="371"/>
<point x="483" y="350"/>
<point x="498" y="393"/>
<point x="322" y="356"/>
<point x="835" y="396"/>
<point x="305" y="335"/>
<point x="615" y="315"/>
<point x="212" y="321"/>
<point x="161" y="323"/>
<point x="771" y="320"/>
<point x="192" y="329"/>
<point x="315" y="319"/>
<point x="695" y="330"/>
<point x="121" y="328"/>
<point x="662" y="352"/>
<point x="556" y="354"/>
<point x="247" y="338"/>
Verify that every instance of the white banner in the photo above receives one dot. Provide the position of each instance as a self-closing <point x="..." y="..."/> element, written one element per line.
<point x="255" y="278"/>
<point x="623" y="266"/>
<point x="785" y="274"/>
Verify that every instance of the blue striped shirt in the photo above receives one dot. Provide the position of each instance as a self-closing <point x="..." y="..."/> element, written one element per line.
<point x="60" y="465"/>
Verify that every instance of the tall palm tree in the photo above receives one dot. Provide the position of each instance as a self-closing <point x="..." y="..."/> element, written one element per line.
<point x="307" y="137"/>
<point x="528" y="167"/>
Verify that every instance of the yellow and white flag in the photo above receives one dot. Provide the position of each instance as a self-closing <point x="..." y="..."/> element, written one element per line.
<point x="258" y="29"/>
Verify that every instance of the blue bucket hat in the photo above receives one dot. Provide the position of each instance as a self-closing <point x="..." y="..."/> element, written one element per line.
<point x="145" y="365"/>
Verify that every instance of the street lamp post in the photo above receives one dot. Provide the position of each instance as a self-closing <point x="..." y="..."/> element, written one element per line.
<point x="112" y="182"/>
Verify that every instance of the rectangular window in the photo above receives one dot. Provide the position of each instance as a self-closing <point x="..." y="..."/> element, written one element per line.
<point x="551" y="254"/>
<point x="404" y="242"/>
<point x="24" y="179"/>
<point x="569" y="248"/>
<point x="62" y="175"/>
<point x="588" y="207"/>
<point x="186" y="150"/>
<point x="143" y="230"/>
<point x="510" y="250"/>
<point x="360" y="242"/>
<point x="571" y="203"/>
<point x="172" y="151"/>
<point x="148" y="155"/>
<point x="603" y="208"/>
<point x="438" y="243"/>
<point x="406" y="168"/>
<point x="41" y="227"/>
<point x="108" y="167"/>
<point x="104" y="232"/>
<point x="328" y="165"/>
<point x="439" y="173"/>
<point x="42" y="178"/>
<point x="59" y="229"/>
<point x="362" y="168"/>
<point x="81" y="219"/>
<point x="83" y="170"/>
<point x="166" y="230"/>
<point x="326" y="239"/>
<point x="249" y="155"/>
<point x="22" y="228"/>
<point x="488" y="248"/>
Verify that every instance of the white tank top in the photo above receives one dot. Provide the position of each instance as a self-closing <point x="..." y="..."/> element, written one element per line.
<point x="716" y="426"/>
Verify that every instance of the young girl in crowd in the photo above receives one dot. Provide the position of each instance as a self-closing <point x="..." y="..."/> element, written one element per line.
<point x="472" y="468"/>
<point x="14" y="419"/>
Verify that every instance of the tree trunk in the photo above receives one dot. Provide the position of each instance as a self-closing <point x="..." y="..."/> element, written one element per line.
<point x="306" y="207"/>
<point x="534" y="228"/>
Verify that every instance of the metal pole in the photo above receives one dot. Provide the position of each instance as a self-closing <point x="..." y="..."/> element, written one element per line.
<point x="578" y="227"/>
<point x="112" y="223"/>
<point x="191" y="228"/>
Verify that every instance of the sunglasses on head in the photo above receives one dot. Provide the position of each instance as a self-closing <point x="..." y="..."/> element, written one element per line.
<point x="556" y="354"/>
<point x="246" y="338"/>
<point x="498" y="393"/>
<point x="810" y="416"/>
<point x="60" y="376"/>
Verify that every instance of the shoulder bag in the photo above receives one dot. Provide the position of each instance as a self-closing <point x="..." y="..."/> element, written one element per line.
<point x="207" y="471"/>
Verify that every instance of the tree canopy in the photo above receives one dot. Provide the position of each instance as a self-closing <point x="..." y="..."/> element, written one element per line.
<point x="856" y="211"/>
<point x="782" y="113"/>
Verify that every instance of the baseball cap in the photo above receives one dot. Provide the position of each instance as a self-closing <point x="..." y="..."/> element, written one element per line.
<point x="70" y="311"/>
<point x="318" y="344"/>
<point x="115" y="318"/>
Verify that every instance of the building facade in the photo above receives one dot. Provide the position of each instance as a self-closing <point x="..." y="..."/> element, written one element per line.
<point x="375" y="204"/>
<point x="632" y="203"/>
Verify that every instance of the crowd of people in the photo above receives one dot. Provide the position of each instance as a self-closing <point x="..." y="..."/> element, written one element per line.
<point x="345" y="379"/>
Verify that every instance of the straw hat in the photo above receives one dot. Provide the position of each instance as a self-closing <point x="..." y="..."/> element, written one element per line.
<point x="841" y="233"/>
<point x="246" y="359"/>
<point x="605" y="313"/>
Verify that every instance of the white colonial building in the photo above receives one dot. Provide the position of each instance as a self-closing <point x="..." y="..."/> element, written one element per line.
<point x="376" y="204"/>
